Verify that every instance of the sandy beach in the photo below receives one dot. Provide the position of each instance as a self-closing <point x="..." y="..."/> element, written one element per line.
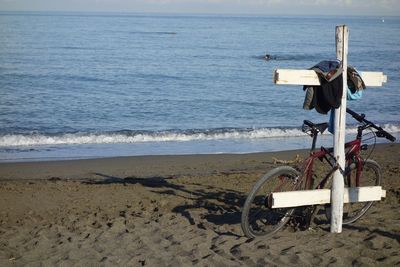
<point x="175" y="211"/>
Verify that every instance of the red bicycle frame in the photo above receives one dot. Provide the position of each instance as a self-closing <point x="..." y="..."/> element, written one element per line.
<point x="352" y="156"/>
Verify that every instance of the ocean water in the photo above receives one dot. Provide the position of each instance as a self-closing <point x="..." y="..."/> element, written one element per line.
<point x="81" y="85"/>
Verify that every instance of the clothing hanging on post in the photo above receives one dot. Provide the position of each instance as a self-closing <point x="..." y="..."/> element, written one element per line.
<point x="328" y="94"/>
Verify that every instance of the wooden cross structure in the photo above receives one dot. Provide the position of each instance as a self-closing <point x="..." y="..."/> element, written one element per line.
<point x="337" y="195"/>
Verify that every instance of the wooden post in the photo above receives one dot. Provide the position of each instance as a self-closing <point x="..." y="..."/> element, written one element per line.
<point x="342" y="41"/>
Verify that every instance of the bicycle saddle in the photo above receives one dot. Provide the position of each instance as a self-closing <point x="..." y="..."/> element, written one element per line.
<point x="314" y="127"/>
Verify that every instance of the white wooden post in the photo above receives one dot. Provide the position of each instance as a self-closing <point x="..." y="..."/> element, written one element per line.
<point x="342" y="42"/>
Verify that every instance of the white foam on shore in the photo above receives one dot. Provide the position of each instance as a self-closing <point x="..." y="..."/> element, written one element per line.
<point x="35" y="139"/>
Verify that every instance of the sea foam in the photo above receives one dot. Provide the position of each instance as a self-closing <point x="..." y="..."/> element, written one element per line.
<point x="37" y="139"/>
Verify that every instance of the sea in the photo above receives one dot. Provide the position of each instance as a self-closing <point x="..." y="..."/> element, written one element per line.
<point x="90" y="85"/>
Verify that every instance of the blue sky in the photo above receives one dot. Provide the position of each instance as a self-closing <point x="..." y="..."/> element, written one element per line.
<point x="275" y="7"/>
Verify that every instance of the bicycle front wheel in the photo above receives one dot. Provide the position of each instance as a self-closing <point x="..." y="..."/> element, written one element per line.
<point x="370" y="176"/>
<point x="258" y="219"/>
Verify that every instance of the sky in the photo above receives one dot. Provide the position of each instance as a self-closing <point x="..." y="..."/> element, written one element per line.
<point x="267" y="7"/>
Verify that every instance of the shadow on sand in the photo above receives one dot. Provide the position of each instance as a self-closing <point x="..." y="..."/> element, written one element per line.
<point x="223" y="206"/>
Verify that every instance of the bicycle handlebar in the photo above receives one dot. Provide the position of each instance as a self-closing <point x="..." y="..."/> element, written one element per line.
<point x="380" y="132"/>
<point x="356" y="116"/>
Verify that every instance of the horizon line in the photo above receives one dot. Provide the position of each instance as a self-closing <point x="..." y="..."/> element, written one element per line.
<point x="193" y="13"/>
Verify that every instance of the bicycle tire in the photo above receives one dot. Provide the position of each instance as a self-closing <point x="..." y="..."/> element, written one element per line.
<point x="371" y="176"/>
<point x="260" y="220"/>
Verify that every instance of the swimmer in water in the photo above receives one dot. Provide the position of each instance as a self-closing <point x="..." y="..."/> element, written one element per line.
<point x="267" y="57"/>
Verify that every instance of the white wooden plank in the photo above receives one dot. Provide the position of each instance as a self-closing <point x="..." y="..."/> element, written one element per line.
<point x="323" y="196"/>
<point x="364" y="194"/>
<point x="309" y="77"/>
<point x="373" y="78"/>
<point x="295" y="77"/>
<point x="300" y="198"/>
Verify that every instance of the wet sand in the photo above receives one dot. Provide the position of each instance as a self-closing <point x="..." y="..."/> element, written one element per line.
<point x="175" y="211"/>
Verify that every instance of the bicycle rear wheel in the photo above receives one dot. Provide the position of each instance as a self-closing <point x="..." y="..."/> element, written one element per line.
<point x="258" y="219"/>
<point x="370" y="176"/>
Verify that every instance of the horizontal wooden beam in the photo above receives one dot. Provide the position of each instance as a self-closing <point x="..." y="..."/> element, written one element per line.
<point x="323" y="196"/>
<point x="309" y="77"/>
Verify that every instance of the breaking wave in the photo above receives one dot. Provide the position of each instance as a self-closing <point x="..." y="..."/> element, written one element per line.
<point x="128" y="136"/>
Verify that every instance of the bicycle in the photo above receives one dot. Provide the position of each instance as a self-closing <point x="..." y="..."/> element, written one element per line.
<point x="259" y="219"/>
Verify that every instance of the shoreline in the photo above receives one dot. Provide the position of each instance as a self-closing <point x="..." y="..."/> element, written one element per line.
<point x="154" y="165"/>
<point x="175" y="211"/>
<point x="145" y="166"/>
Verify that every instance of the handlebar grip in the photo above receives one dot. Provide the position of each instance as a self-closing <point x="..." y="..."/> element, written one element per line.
<point x="383" y="133"/>
<point x="390" y="137"/>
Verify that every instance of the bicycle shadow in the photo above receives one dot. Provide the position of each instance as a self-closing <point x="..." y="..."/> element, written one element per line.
<point x="222" y="206"/>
